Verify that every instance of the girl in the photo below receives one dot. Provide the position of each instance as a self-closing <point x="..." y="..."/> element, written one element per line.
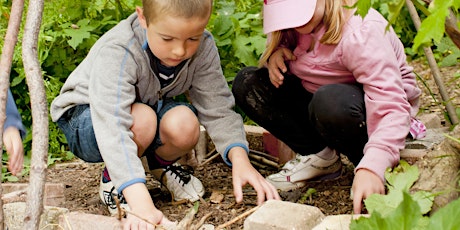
<point x="331" y="82"/>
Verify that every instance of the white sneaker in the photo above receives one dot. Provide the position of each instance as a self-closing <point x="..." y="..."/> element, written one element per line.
<point x="180" y="183"/>
<point x="297" y="171"/>
<point x="107" y="192"/>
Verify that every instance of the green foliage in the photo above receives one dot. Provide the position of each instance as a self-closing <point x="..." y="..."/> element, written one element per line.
<point x="400" y="179"/>
<point x="400" y="209"/>
<point x="237" y="29"/>
<point x="432" y="28"/>
<point x="68" y="30"/>
<point x="448" y="52"/>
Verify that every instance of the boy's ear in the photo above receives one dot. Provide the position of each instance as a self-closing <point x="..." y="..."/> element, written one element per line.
<point x="140" y="15"/>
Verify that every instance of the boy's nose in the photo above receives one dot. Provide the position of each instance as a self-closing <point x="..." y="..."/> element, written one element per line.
<point x="179" y="50"/>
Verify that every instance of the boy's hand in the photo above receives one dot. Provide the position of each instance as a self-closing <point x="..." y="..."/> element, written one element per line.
<point x="365" y="183"/>
<point x="276" y="65"/>
<point x="243" y="173"/>
<point x="14" y="148"/>
<point x="141" y="205"/>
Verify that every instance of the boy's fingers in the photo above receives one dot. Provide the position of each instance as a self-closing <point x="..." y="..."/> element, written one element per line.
<point x="237" y="191"/>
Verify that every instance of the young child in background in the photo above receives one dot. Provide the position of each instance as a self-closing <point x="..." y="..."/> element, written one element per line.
<point x="117" y="106"/>
<point x="331" y="82"/>
<point x="13" y="134"/>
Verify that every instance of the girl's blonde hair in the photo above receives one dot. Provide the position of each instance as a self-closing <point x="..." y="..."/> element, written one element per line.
<point x="334" y="19"/>
<point x="156" y="9"/>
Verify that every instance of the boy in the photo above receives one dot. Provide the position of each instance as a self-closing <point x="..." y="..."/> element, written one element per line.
<point x="117" y="106"/>
<point x="13" y="132"/>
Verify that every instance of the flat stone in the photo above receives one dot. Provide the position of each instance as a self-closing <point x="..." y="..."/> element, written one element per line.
<point x="279" y="215"/>
<point x="14" y="214"/>
<point x="84" y="221"/>
<point x="337" y="222"/>
<point x="53" y="194"/>
<point x="433" y="137"/>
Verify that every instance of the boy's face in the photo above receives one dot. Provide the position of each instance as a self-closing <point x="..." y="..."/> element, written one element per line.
<point x="173" y="39"/>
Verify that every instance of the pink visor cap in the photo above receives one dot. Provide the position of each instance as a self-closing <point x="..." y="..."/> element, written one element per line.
<point x="285" y="14"/>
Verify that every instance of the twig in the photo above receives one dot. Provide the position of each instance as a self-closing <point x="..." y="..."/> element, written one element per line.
<point x="187" y="221"/>
<point x="210" y="159"/>
<point x="202" y="220"/>
<point x="52" y="225"/>
<point x="120" y="211"/>
<point x="210" y="153"/>
<point x="237" y="218"/>
<point x="134" y="214"/>
<point x="265" y="155"/>
<point x="263" y="160"/>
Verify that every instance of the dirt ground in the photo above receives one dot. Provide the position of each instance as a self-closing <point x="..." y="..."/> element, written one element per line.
<point x="81" y="180"/>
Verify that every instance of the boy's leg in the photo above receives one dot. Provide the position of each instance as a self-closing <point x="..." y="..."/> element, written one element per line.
<point x="77" y="126"/>
<point x="177" y="134"/>
<point x="339" y="114"/>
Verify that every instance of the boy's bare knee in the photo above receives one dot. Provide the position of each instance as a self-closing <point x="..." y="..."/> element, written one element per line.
<point x="144" y="124"/>
<point x="180" y="127"/>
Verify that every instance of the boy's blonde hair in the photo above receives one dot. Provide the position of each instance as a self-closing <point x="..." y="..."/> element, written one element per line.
<point x="156" y="9"/>
<point x="334" y="18"/>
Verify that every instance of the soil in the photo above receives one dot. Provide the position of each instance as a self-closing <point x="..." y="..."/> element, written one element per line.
<point x="81" y="179"/>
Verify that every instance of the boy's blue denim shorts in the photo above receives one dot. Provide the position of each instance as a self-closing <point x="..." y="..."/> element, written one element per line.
<point x="77" y="126"/>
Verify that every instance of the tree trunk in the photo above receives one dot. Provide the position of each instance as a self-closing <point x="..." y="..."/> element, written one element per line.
<point x="451" y="24"/>
<point x="452" y="28"/>
<point x="6" y="60"/>
<point x="38" y="103"/>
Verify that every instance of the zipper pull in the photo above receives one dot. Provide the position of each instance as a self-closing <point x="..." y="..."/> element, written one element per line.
<point x="160" y="101"/>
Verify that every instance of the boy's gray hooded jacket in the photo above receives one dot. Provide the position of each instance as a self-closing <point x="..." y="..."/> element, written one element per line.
<point x="117" y="73"/>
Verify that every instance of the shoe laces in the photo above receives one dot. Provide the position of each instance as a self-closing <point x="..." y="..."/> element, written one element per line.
<point x="180" y="173"/>
<point x="292" y="163"/>
<point x="111" y="200"/>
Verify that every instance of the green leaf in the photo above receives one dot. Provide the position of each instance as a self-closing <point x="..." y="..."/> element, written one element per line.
<point x="77" y="37"/>
<point x="258" y="43"/>
<point x="244" y="51"/>
<point x="446" y="217"/>
<point x="403" y="176"/>
<point x="222" y="25"/>
<point x="363" y="7"/>
<point x="383" y="204"/>
<point x="424" y="199"/>
<point x="406" y="216"/>
<point x="394" y="9"/>
<point x="432" y="28"/>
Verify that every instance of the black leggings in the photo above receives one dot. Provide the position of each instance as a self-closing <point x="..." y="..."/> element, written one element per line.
<point x="333" y="116"/>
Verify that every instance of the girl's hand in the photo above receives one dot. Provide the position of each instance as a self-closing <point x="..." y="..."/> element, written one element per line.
<point x="14" y="148"/>
<point x="276" y="65"/>
<point x="365" y="183"/>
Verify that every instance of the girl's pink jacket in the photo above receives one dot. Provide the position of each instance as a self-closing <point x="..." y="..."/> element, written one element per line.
<point x="371" y="55"/>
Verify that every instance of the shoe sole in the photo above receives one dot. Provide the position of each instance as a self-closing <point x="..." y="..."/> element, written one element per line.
<point x="327" y="177"/>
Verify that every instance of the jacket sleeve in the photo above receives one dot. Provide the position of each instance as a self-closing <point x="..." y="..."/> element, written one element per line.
<point x="111" y="94"/>
<point x="377" y="68"/>
<point x="12" y="116"/>
<point x="215" y="103"/>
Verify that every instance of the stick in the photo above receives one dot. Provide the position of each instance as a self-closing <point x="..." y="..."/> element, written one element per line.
<point x="434" y="67"/>
<point x="210" y="159"/>
<point x="264" y="161"/>
<point x="202" y="220"/>
<point x="265" y="155"/>
<point x="210" y="153"/>
<point x="237" y="218"/>
<point x="134" y="214"/>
